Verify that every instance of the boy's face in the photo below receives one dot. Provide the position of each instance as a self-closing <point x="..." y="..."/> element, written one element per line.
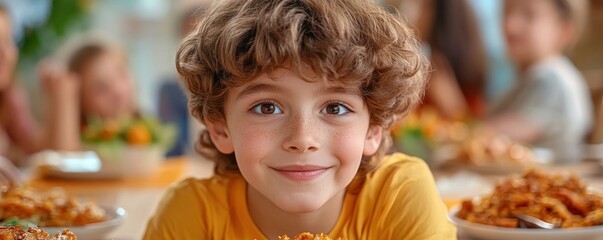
<point x="297" y="143"/>
<point x="534" y="30"/>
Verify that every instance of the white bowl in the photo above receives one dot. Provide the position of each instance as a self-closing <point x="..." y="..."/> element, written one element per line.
<point x="100" y="163"/>
<point x="130" y="160"/>
<point x="482" y="231"/>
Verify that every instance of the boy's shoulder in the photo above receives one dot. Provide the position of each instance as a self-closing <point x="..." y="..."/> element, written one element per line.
<point x="195" y="207"/>
<point x="401" y="165"/>
<point x="395" y="171"/>
<point x="400" y="199"/>
<point x="209" y="196"/>
<point x="400" y="159"/>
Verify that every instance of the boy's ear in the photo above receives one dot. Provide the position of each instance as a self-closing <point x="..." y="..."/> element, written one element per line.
<point x="373" y="140"/>
<point x="218" y="132"/>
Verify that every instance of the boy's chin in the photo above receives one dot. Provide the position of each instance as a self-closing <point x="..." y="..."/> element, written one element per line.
<point x="300" y="204"/>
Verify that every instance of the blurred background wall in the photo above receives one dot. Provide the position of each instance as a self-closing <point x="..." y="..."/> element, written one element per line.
<point x="150" y="31"/>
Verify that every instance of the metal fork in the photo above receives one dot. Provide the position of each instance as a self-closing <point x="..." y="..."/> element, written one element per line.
<point x="527" y="221"/>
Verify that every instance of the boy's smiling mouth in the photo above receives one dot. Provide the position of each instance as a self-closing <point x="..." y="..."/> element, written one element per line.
<point x="301" y="172"/>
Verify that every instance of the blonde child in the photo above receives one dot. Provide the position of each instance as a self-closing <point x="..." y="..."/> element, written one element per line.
<point x="550" y="105"/>
<point x="94" y="82"/>
<point x="297" y="97"/>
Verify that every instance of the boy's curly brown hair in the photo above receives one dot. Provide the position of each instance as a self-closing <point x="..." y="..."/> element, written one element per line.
<point x="350" y="41"/>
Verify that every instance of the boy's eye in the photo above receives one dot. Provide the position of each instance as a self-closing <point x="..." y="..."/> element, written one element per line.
<point x="335" y="109"/>
<point x="267" y="108"/>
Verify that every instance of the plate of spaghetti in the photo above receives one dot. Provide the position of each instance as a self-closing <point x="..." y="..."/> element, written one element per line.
<point x="563" y="200"/>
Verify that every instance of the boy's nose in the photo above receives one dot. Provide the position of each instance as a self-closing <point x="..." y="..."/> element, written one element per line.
<point x="303" y="136"/>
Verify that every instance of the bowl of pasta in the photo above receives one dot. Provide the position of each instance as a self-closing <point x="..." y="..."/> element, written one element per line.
<point x="563" y="200"/>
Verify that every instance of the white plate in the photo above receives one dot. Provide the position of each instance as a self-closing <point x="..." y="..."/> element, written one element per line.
<point x="115" y="217"/>
<point x="543" y="157"/>
<point x="481" y="231"/>
<point x="105" y="163"/>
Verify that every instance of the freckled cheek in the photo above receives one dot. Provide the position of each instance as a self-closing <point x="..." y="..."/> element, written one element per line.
<point x="348" y="146"/>
<point x="253" y="144"/>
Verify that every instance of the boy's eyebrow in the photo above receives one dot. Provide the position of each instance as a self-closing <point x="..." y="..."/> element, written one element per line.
<point x="254" y="88"/>
<point x="339" y="89"/>
<point x="260" y="87"/>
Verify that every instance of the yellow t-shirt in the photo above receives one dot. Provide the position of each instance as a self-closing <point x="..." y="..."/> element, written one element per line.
<point x="397" y="201"/>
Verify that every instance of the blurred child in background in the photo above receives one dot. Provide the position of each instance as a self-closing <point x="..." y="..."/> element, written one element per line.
<point x="550" y="105"/>
<point x="173" y="102"/>
<point x="19" y="133"/>
<point x="95" y="82"/>
<point x="449" y="32"/>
